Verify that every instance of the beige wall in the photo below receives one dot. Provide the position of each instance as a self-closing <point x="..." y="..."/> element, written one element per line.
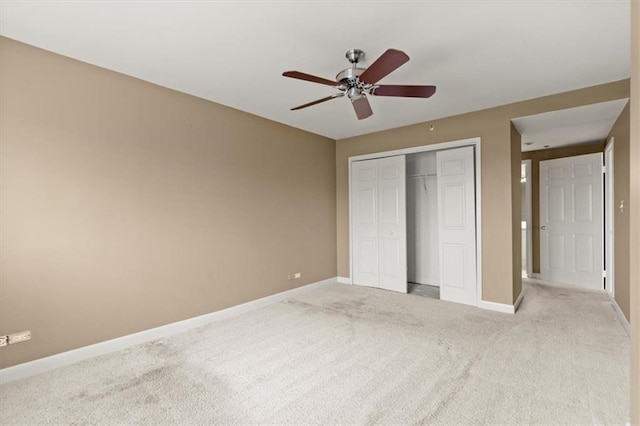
<point x="126" y="206"/>
<point x="634" y="211"/>
<point x="500" y="282"/>
<point x="536" y="157"/>
<point x="622" y="230"/>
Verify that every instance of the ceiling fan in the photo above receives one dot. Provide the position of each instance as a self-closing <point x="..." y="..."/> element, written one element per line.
<point x="356" y="83"/>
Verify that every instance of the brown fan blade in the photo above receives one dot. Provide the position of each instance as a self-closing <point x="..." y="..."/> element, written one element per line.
<point x="388" y="62"/>
<point x="362" y="107"/>
<point x="308" y="77"/>
<point x="404" y="91"/>
<point x="328" y="98"/>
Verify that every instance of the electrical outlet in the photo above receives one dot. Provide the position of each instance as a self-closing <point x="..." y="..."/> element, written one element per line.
<point x="3" y="341"/>
<point x="294" y="276"/>
<point x="23" y="336"/>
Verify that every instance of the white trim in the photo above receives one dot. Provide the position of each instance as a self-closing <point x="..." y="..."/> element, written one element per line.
<point x="413" y="150"/>
<point x="516" y="305"/>
<point x="350" y="208"/>
<point x="42" y="365"/>
<point x="529" y="215"/>
<point x="344" y="280"/>
<point x="502" y="307"/>
<point x="476" y="143"/>
<point x="609" y="218"/>
<point x="623" y="320"/>
<point x="535" y="276"/>
<point x="497" y="307"/>
<point x="478" y="176"/>
<point x="603" y="227"/>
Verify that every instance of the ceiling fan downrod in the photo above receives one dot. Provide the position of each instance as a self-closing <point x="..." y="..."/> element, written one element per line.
<point x="349" y="76"/>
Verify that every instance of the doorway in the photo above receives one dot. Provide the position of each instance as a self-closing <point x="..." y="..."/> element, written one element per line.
<point x="414" y="217"/>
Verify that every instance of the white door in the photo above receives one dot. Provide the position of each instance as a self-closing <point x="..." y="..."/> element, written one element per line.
<point x="364" y="207"/>
<point x="379" y="223"/>
<point x="392" y="226"/>
<point x="457" y="225"/>
<point x="571" y="220"/>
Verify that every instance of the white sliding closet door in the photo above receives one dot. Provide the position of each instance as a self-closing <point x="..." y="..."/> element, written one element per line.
<point x="364" y="206"/>
<point x="379" y="223"/>
<point x="457" y="225"/>
<point x="392" y="228"/>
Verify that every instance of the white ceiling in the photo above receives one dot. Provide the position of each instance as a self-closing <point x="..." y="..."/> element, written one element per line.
<point x="590" y="123"/>
<point x="479" y="53"/>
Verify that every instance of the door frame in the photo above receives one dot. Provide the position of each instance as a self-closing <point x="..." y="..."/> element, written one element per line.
<point x="476" y="143"/>
<point x="609" y="222"/>
<point x="528" y="215"/>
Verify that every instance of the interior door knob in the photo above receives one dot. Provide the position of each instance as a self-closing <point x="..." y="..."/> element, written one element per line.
<point x="543" y="227"/>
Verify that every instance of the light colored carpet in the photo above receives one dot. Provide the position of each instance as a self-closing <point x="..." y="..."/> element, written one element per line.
<point x="349" y="354"/>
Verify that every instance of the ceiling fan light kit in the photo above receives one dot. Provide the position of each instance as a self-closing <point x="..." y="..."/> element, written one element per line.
<point x="356" y="83"/>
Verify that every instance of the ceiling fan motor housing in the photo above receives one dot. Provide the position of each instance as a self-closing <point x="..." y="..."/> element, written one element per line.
<point x="349" y="75"/>
<point x="349" y="78"/>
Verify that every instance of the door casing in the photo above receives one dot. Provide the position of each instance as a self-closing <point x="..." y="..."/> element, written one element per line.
<point x="529" y="217"/>
<point x="609" y="219"/>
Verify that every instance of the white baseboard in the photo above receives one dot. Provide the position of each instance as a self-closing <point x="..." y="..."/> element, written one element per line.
<point x="41" y="365"/>
<point x="498" y="307"/>
<point x="534" y="276"/>
<point x="518" y="301"/>
<point x="344" y="280"/>
<point x="623" y="320"/>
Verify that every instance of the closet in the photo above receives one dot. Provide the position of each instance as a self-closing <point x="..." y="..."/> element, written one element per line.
<point x="413" y="219"/>
<point x="423" y="258"/>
